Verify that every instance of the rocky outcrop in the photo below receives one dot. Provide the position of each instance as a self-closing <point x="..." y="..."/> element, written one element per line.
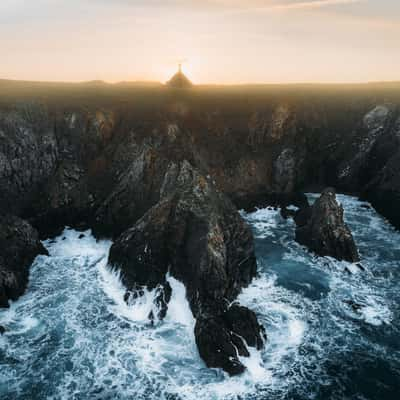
<point x="222" y="338"/>
<point x="384" y="191"/>
<point x="103" y="165"/>
<point x="284" y="172"/>
<point x="74" y="190"/>
<point x="325" y="232"/>
<point x="50" y="163"/>
<point x="114" y="161"/>
<point x="383" y="188"/>
<point x="19" y="245"/>
<point x="28" y="154"/>
<point x="195" y="234"/>
<point x="373" y="164"/>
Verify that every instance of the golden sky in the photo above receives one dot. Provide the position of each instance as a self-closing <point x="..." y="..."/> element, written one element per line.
<point x="221" y="41"/>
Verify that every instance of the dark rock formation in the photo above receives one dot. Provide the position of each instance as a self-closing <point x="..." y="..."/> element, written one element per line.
<point x="373" y="164"/>
<point x="218" y="346"/>
<point x="112" y="160"/>
<point x="220" y="338"/>
<point x="28" y="154"/>
<point x="196" y="235"/>
<point x="103" y="166"/>
<point x="384" y="190"/>
<point x="325" y="231"/>
<point x="141" y="252"/>
<point x="19" y="245"/>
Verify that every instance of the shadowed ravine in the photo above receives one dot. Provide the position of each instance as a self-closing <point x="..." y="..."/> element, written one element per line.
<point x="332" y="333"/>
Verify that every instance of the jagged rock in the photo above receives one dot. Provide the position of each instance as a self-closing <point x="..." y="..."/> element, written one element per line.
<point x="220" y="338"/>
<point x="362" y="163"/>
<point x="19" y="245"/>
<point x="285" y="172"/>
<point x="325" y="231"/>
<point x="66" y="164"/>
<point x="217" y="345"/>
<point x="72" y="193"/>
<point x="28" y="154"/>
<point x="383" y="190"/>
<point x="141" y="252"/>
<point x="271" y="127"/>
<point x="196" y="235"/>
<point x="243" y="322"/>
<point x="134" y="194"/>
<point x="282" y="123"/>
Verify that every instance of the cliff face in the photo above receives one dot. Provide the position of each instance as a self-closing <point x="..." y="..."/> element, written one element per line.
<point x="105" y="166"/>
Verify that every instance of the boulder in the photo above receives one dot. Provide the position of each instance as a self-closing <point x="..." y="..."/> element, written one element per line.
<point x="324" y="231"/>
<point x="222" y="339"/>
<point x="19" y="245"/>
<point x="196" y="234"/>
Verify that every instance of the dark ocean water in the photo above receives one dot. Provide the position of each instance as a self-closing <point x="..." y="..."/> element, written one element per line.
<point x="71" y="336"/>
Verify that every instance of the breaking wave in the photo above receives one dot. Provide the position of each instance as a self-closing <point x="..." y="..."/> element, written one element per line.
<point x="333" y="329"/>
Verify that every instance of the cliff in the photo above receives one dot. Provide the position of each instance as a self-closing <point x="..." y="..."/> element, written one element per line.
<point x="79" y="153"/>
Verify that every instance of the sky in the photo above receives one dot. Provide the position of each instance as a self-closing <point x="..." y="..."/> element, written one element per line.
<point x="218" y="41"/>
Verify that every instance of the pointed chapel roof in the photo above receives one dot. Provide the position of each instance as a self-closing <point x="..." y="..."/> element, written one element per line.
<point x="179" y="80"/>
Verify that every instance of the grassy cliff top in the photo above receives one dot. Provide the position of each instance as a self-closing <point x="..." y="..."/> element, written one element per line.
<point x="155" y="96"/>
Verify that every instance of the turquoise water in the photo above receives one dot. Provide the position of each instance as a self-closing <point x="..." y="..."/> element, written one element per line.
<point x="71" y="336"/>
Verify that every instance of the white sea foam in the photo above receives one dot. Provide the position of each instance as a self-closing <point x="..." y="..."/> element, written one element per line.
<point x="263" y="221"/>
<point x="178" y="307"/>
<point x="69" y="245"/>
<point x="375" y="313"/>
<point x="138" y="310"/>
<point x="73" y="336"/>
<point x="255" y="367"/>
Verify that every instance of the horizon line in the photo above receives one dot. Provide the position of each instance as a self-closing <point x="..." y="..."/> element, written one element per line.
<point x="155" y="82"/>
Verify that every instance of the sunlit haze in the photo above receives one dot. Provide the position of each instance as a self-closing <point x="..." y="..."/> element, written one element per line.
<point x="219" y="41"/>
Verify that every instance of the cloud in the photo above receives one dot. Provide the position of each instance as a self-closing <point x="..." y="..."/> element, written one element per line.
<point x="313" y="4"/>
<point x="230" y="4"/>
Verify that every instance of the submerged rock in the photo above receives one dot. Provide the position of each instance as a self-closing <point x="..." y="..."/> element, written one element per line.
<point x="356" y="307"/>
<point x="196" y="234"/>
<point x="322" y="229"/>
<point x="263" y="199"/>
<point x="19" y="245"/>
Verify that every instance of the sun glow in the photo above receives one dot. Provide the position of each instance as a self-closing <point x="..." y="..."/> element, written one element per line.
<point x="189" y="68"/>
<point x="218" y="41"/>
